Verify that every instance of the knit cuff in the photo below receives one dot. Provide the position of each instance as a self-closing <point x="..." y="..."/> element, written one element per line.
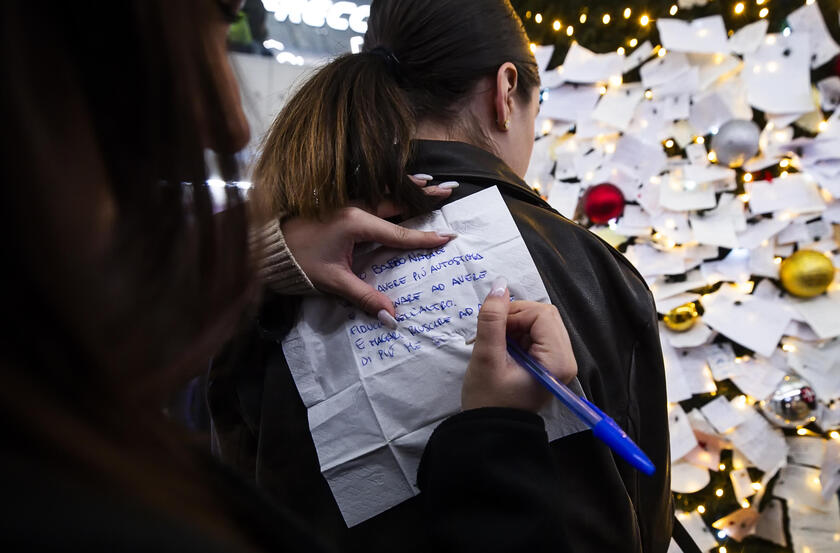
<point x="275" y="264"/>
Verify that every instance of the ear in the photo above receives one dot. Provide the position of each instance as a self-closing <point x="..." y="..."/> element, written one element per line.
<point x="506" y="82"/>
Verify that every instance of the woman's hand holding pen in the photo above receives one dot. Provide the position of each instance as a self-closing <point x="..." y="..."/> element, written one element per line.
<point x="493" y="379"/>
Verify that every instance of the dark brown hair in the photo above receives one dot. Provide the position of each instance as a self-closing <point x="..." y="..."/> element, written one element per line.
<point x="119" y="282"/>
<point x="345" y="135"/>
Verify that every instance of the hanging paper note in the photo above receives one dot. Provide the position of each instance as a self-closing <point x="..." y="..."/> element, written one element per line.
<point x="374" y="395"/>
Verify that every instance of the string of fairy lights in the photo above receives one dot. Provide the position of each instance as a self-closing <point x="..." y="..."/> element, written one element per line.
<point x="748" y="9"/>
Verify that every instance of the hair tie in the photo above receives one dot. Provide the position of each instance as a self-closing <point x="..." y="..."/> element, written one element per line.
<point x="391" y="60"/>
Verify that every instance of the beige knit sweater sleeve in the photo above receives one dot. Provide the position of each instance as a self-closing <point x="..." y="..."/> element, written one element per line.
<point x="276" y="266"/>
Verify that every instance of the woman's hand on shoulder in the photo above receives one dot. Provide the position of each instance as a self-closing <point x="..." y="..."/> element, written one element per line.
<point x="324" y="249"/>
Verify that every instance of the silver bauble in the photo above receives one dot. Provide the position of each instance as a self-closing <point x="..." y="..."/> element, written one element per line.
<point x="736" y="142"/>
<point x="793" y="404"/>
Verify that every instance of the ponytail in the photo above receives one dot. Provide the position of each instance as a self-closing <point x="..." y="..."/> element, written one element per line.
<point x="343" y="137"/>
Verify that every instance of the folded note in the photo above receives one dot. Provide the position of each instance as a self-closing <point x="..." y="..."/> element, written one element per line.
<point x="375" y="395"/>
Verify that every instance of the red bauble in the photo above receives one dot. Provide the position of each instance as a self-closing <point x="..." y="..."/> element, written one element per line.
<point x="603" y="202"/>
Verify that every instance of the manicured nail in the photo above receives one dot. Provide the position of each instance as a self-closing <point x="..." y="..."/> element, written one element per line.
<point x="447" y="234"/>
<point x="497" y="289"/>
<point x="422" y="176"/>
<point x="448" y="185"/>
<point x="386" y="319"/>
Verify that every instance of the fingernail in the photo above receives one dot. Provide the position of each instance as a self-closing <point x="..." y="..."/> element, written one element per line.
<point x="423" y="176"/>
<point x="447" y="234"/>
<point x="386" y="319"/>
<point x="448" y="185"/>
<point x="497" y="289"/>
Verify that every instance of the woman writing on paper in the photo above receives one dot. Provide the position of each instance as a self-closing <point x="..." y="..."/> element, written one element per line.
<point x="121" y="279"/>
<point x="448" y="90"/>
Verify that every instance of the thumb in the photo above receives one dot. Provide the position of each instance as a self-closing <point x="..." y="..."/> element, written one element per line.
<point x="366" y="297"/>
<point x="491" y="330"/>
<point x="371" y="228"/>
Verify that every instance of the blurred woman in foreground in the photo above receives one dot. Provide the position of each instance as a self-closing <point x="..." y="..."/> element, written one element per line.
<point x="119" y="283"/>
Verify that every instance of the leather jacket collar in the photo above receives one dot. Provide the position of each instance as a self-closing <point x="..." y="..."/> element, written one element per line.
<point x="460" y="161"/>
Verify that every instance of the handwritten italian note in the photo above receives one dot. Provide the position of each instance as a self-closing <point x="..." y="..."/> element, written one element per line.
<point x="375" y="395"/>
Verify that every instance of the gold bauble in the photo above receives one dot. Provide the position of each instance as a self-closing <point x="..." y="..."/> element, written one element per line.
<point x="806" y="273"/>
<point x="681" y="318"/>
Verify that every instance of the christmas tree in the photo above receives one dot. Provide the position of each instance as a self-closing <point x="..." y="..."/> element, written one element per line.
<point x="702" y="139"/>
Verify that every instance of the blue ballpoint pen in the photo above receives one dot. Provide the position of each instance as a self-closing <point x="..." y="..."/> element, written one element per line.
<point x="604" y="428"/>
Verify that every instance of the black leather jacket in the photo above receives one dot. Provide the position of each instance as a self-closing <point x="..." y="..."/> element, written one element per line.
<point x="605" y="505"/>
<point x="612" y="323"/>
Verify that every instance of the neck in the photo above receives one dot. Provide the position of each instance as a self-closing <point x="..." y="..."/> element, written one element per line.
<point x="429" y="130"/>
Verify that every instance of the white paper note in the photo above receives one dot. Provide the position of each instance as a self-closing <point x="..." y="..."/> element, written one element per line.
<point x="808" y="20"/>
<point x="806" y="450"/>
<point x="682" y="436"/>
<point x="757" y="377"/>
<point x="762" y="444"/>
<point x="755" y="323"/>
<point x="569" y="102"/>
<point x="794" y="194"/>
<point x="584" y="66"/>
<point x="697" y="529"/>
<point x="374" y="395"/>
<point x="637" y="56"/>
<point x="703" y="35"/>
<point x="801" y="485"/>
<point x="748" y="38"/>
<point x="829" y="93"/>
<point x="564" y="198"/>
<point x="778" y="75"/>
<point x="617" y="106"/>
<point x="822" y="314"/>
<point x="722" y="415"/>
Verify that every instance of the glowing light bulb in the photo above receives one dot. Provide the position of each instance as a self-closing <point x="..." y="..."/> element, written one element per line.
<point x="556" y="25"/>
<point x="602" y="90"/>
<point x="583" y="18"/>
<point x="627" y="13"/>
<point x="739" y="8"/>
<point x="756" y="486"/>
<point x="822" y="126"/>
<point x="538" y="18"/>
<point x="662" y="52"/>
<point x="712" y="156"/>
<point x="620" y="50"/>
<point x="719" y="492"/>
<point x="777" y="260"/>
<point x="606" y="19"/>
<point x="748" y="177"/>
<point x="721" y="467"/>
<point x="669" y="143"/>
<point x="616" y="80"/>
<point x="700" y="140"/>
<point x="570" y="30"/>
<point x="673" y="10"/>
<point x="701" y="509"/>
<point x="633" y="42"/>
<point x="533" y="47"/>
<point x="649" y="94"/>
<point x="722" y="548"/>
<point x="745" y="504"/>
<point x="801" y="431"/>
<point x="760" y="2"/>
<point x="788" y="347"/>
<point x="835" y="435"/>
<point x="763" y="12"/>
<point x="644" y="20"/>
